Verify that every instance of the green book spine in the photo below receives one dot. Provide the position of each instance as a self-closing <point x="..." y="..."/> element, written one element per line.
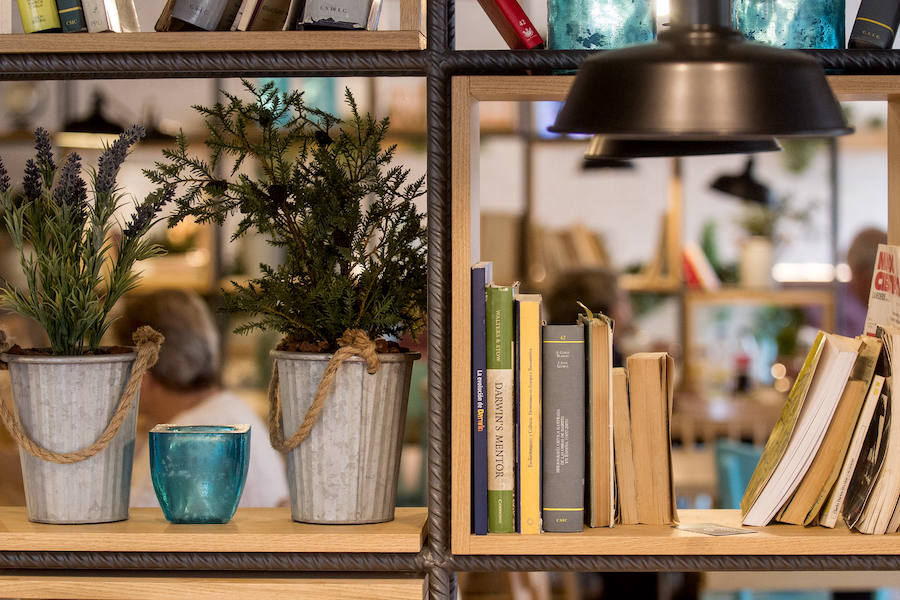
<point x="71" y="16"/>
<point x="39" y="15"/>
<point x="501" y="415"/>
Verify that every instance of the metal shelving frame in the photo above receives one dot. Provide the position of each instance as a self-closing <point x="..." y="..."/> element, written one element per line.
<point x="438" y="63"/>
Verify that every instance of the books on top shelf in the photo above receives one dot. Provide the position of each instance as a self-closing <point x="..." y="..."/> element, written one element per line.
<point x="698" y="272"/>
<point x="513" y="24"/>
<point x="118" y="16"/>
<point x="551" y="420"/>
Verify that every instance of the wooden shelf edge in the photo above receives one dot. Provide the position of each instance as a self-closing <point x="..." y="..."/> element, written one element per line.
<point x="41" y="585"/>
<point x="659" y="540"/>
<point x="251" y="530"/>
<point x="209" y="41"/>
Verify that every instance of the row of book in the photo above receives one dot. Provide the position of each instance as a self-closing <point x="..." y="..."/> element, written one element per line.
<point x="834" y="454"/>
<point x="554" y="444"/>
<point x="120" y="16"/>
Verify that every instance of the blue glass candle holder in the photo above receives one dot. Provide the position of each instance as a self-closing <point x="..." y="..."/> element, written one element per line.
<point x="797" y="24"/>
<point x="599" y="24"/>
<point x="199" y="471"/>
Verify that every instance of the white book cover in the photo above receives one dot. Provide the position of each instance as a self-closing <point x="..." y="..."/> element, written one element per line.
<point x="884" y="295"/>
<point x="821" y="401"/>
<point x="95" y="15"/>
<point x="6" y="14"/>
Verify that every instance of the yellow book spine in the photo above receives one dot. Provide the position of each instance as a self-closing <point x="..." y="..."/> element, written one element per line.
<point x="38" y="15"/>
<point x="529" y="380"/>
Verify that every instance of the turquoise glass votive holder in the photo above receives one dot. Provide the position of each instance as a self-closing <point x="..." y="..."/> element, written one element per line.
<point x="599" y="24"/>
<point x="795" y="24"/>
<point x="199" y="471"/>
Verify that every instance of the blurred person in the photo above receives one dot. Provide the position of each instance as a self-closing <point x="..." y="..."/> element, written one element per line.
<point x="183" y="388"/>
<point x="853" y="299"/>
<point x="599" y="290"/>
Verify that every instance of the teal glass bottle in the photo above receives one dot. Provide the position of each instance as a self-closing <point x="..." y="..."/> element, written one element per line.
<point x="599" y="24"/>
<point x="798" y="24"/>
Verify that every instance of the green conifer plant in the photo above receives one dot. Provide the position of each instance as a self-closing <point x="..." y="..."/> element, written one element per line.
<point x="62" y="231"/>
<point x="327" y="194"/>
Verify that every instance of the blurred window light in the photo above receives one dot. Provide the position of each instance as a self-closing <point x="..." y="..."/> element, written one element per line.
<point x="809" y="272"/>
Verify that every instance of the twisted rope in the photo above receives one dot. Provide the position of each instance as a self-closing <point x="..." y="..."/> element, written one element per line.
<point x="354" y="342"/>
<point x="147" y="341"/>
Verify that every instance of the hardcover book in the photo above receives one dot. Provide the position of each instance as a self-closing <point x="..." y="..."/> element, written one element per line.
<point x="651" y="377"/>
<point x="209" y="15"/>
<point x="481" y="277"/>
<point x="336" y="14"/>
<point x="118" y="16"/>
<point x="599" y="485"/>
<point x="263" y="15"/>
<point x="39" y="15"/>
<point x="71" y="16"/>
<point x="501" y="413"/>
<point x="528" y="413"/>
<point x="513" y="24"/>
<point x="563" y="428"/>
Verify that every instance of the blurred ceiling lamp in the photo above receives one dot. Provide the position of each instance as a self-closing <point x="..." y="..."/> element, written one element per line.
<point x="614" y="148"/>
<point x="93" y="132"/>
<point x="701" y="83"/>
<point x="744" y="186"/>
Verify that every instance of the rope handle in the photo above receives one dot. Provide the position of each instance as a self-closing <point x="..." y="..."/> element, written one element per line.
<point x="148" y="341"/>
<point x="354" y="342"/>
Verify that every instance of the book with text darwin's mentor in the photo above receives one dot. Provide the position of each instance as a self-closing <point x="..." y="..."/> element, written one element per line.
<point x="500" y="409"/>
<point x="482" y="276"/>
<point x="798" y="434"/>
<point x="807" y="501"/>
<point x="528" y="412"/>
<point x="563" y="428"/>
<point x="513" y="24"/>
<point x="600" y="502"/>
<point x="651" y="384"/>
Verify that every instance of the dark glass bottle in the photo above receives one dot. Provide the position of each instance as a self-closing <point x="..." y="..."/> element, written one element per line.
<point x="875" y="25"/>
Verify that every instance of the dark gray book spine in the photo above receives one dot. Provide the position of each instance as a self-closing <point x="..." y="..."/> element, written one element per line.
<point x="563" y="428"/>
<point x="71" y="16"/>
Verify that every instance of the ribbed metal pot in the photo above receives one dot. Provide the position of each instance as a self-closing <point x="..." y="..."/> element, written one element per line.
<point x="346" y="471"/>
<point x="64" y="404"/>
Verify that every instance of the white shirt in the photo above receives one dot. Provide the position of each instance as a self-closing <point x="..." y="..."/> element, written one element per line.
<point x="266" y="478"/>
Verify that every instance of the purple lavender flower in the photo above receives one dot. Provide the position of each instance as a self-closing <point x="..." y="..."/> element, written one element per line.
<point x="147" y="210"/>
<point x="44" y="150"/>
<point x="32" y="181"/>
<point x="71" y="189"/>
<point x="4" y="178"/>
<point x="113" y="157"/>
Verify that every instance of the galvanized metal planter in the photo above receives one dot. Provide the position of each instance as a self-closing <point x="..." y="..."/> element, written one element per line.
<point x="346" y="471"/>
<point x="64" y="403"/>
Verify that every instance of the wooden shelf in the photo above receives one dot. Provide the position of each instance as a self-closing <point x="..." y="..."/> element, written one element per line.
<point x="251" y="530"/>
<point x="777" y="297"/>
<point x="207" y="41"/>
<point x="658" y="540"/>
<point x="136" y="587"/>
<point x="526" y="88"/>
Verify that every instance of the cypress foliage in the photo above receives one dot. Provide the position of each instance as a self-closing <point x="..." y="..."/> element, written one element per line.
<point x="327" y="193"/>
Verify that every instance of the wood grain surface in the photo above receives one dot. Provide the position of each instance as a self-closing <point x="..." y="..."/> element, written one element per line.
<point x="251" y="530"/>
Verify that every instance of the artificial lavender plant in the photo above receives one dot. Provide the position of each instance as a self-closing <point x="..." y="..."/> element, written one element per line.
<point x="63" y="231"/>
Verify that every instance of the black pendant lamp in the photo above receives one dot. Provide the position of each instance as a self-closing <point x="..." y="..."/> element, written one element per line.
<point x="744" y="186"/>
<point x="701" y="82"/>
<point x="611" y="148"/>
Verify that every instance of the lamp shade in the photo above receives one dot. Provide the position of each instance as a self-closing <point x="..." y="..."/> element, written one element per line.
<point x="602" y="147"/>
<point x="744" y="186"/>
<point x="701" y="81"/>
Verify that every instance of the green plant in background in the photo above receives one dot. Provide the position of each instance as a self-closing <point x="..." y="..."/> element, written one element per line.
<point x="780" y="324"/>
<point x="327" y="194"/>
<point x="62" y="232"/>
<point x="760" y="220"/>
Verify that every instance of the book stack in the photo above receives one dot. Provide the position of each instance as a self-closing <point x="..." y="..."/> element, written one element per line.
<point x="832" y="455"/>
<point x="556" y="431"/>
<point x="74" y="16"/>
<point x="268" y="15"/>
